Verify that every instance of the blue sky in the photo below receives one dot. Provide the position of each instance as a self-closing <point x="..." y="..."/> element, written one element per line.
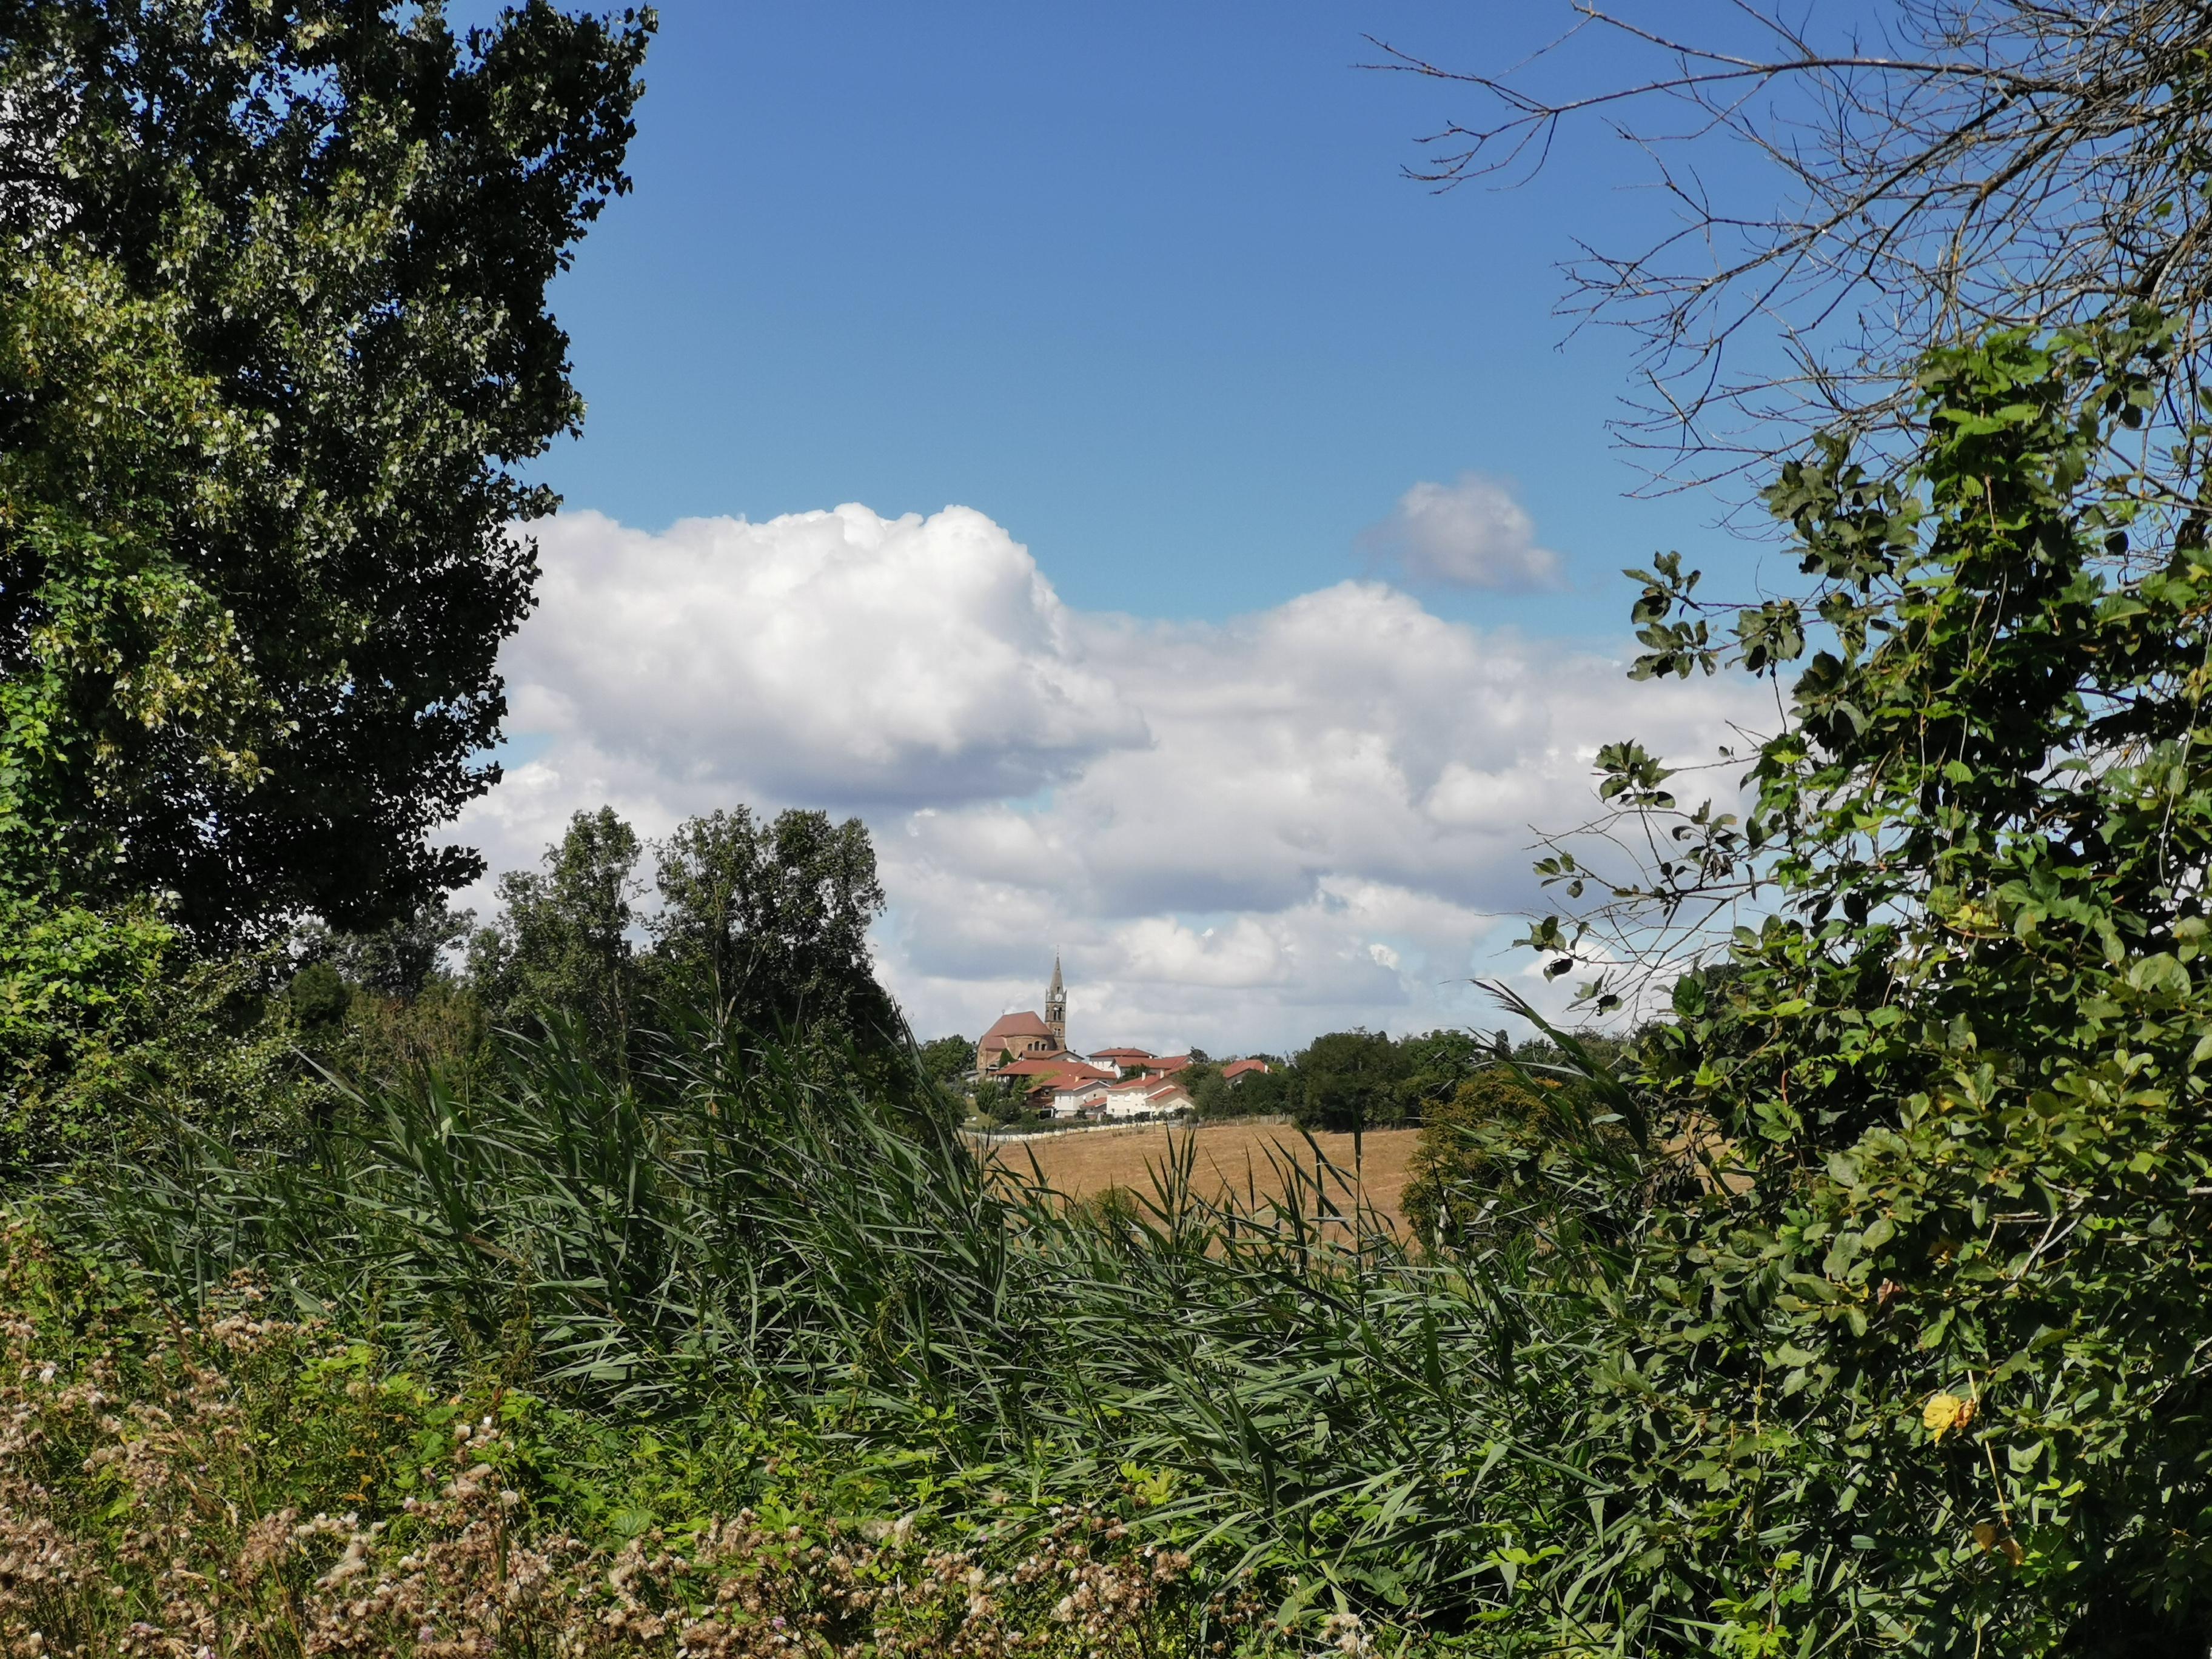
<point x="1143" y="282"/>
<point x="1140" y="292"/>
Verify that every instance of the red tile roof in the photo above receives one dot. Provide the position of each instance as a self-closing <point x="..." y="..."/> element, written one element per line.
<point x="1068" y="1081"/>
<point x="1074" y="1072"/>
<point x="1026" y="1024"/>
<point x="1238" y="1067"/>
<point x="1036" y="1066"/>
<point x="1122" y="1054"/>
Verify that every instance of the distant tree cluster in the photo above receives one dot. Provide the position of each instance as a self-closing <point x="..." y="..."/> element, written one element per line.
<point x="757" y="924"/>
<point x="1358" y="1080"/>
<point x="762" y="921"/>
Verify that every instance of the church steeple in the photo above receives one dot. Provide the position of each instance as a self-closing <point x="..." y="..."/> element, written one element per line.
<point x="1055" y="1005"/>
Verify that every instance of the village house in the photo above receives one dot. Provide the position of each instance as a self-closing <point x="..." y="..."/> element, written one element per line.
<point x="1075" y="1097"/>
<point x="1057" y="1093"/>
<point x="1146" y="1095"/>
<point x="1028" y="1051"/>
<point x="1121" y="1061"/>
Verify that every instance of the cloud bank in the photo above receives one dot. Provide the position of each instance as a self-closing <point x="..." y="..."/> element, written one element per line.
<point x="1238" y="834"/>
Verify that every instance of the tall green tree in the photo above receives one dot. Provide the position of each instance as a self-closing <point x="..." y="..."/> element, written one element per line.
<point x="948" y="1058"/>
<point x="274" y="346"/>
<point x="398" y="959"/>
<point x="1436" y="1063"/>
<point x="560" y="946"/>
<point x="769" y="922"/>
<point x="1349" y="1080"/>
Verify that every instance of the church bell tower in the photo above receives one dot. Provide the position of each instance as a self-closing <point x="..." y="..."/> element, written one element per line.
<point x="1055" y="1006"/>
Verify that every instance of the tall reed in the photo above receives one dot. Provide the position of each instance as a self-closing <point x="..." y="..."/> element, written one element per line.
<point x="1281" y="1380"/>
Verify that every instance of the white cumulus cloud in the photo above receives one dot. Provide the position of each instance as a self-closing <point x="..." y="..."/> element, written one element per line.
<point x="1238" y="834"/>
<point x="835" y="653"/>
<point x="1469" y="533"/>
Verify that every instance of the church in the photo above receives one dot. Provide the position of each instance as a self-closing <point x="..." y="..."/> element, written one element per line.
<point x="1028" y="1052"/>
<point x="1026" y="1036"/>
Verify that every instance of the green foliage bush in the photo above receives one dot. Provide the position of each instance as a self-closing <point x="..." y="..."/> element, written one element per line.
<point x="309" y="1497"/>
<point x="110" y="1028"/>
<point x="1917" y="1368"/>
<point x="1483" y="1158"/>
<point x="79" y="989"/>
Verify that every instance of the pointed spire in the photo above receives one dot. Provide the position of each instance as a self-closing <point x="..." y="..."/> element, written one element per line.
<point x="1055" y="1005"/>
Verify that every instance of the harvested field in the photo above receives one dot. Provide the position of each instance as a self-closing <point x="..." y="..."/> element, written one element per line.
<point x="1232" y="1158"/>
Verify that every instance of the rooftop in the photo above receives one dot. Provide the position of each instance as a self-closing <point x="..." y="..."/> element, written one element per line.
<point x="1041" y="1066"/>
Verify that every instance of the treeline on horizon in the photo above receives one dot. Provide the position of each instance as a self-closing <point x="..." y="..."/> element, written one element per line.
<point x="758" y="922"/>
<point x="1339" y="1082"/>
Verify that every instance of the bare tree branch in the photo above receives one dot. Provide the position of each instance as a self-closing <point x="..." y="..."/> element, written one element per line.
<point x="2024" y="164"/>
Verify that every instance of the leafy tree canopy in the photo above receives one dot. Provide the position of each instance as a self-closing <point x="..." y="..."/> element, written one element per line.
<point x="561" y="944"/>
<point x="1350" y="1080"/>
<point x="948" y="1058"/>
<point x="762" y="922"/>
<point x="1931" y="1301"/>
<point x="273" y="343"/>
<point x="398" y="959"/>
<point x="769" y="919"/>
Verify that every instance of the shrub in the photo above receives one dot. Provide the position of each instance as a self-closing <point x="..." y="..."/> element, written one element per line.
<point x="245" y="1483"/>
<point x="80" y="990"/>
<point x="110" y="1030"/>
<point x="1483" y="1157"/>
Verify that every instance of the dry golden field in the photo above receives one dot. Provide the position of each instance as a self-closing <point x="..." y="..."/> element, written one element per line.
<point x="1232" y="1158"/>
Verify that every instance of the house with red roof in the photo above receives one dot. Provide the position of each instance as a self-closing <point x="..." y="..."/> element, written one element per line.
<point x="1146" y="1095"/>
<point x="1123" y="1060"/>
<point x="1074" y="1094"/>
<point x="1238" y="1070"/>
<point x="1040" y="1066"/>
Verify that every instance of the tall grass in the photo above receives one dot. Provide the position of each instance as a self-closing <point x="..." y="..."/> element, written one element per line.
<point x="1282" y="1381"/>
